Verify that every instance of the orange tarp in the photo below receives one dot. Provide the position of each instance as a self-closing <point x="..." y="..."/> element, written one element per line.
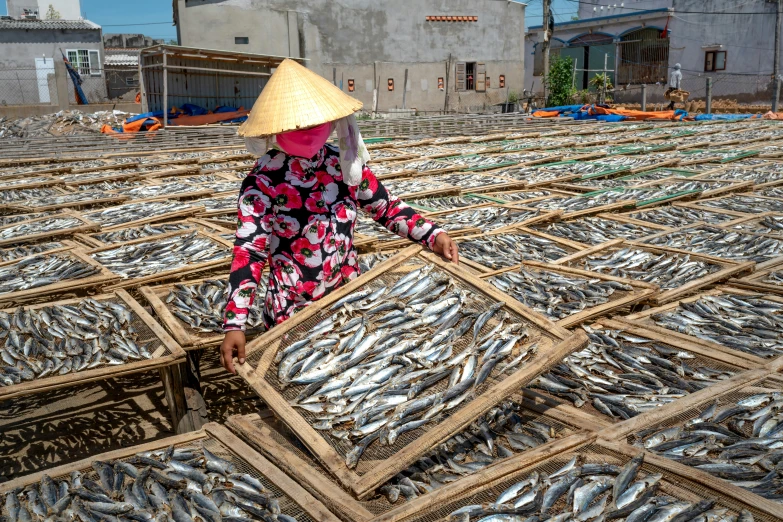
<point x="546" y="114"/>
<point x="635" y="115"/>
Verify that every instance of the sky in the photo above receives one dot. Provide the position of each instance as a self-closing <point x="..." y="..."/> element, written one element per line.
<point x="119" y="16"/>
<point x="116" y="15"/>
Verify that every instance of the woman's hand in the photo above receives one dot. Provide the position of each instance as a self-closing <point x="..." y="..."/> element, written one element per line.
<point x="446" y="247"/>
<point x="233" y="346"/>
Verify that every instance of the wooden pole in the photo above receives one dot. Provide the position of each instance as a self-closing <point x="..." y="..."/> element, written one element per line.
<point x="405" y="89"/>
<point x="778" y="25"/>
<point x="165" y="91"/>
<point x="545" y="44"/>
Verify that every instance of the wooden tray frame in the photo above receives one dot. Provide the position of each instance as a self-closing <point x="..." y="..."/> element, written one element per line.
<point x="753" y="282"/>
<point x="177" y="214"/>
<point x="642" y="291"/>
<point x="86" y="226"/>
<point x="260" y="433"/>
<point x="56" y="382"/>
<point x="128" y="176"/>
<point x="734" y="186"/>
<point x="730" y="268"/>
<point x="614" y="217"/>
<point x="93" y="242"/>
<point x="543" y="217"/>
<point x="166" y="275"/>
<point x="156" y="297"/>
<point x="73" y="205"/>
<point x="644" y="319"/>
<point x="627" y="215"/>
<point x="561" y="342"/>
<point x="308" y="504"/>
<point x="675" y="482"/>
<point x="84" y="285"/>
<point x="211" y="213"/>
<point x="700" y="203"/>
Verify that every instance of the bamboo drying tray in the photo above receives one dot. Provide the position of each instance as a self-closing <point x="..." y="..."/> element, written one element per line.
<point x="620" y="299"/>
<point x="101" y="176"/>
<point x="187" y="337"/>
<point x="93" y="241"/>
<point x="294" y="500"/>
<point x="273" y="440"/>
<point x="232" y="196"/>
<point x="81" y="286"/>
<point x="752" y="224"/>
<point x="85" y="226"/>
<point x="755" y="281"/>
<point x="260" y="373"/>
<point x="620" y="218"/>
<point x="184" y="210"/>
<point x="166" y="275"/>
<point x="731" y="185"/>
<point x="636" y="213"/>
<point x="166" y="353"/>
<point x="727" y="269"/>
<point x="644" y="319"/>
<point x="441" y="217"/>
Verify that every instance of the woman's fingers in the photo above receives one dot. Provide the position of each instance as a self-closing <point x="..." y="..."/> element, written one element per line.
<point x="454" y="253"/>
<point x="241" y="352"/>
<point x="227" y="357"/>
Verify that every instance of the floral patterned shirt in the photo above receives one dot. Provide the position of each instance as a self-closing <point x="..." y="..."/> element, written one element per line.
<point x="300" y="215"/>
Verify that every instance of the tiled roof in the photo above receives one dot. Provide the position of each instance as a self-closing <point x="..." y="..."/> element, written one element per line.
<point x="452" y="18"/>
<point x="48" y="24"/>
<point x="121" y="57"/>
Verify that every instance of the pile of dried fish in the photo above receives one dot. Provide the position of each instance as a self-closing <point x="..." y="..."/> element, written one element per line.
<point x="736" y="441"/>
<point x="505" y="250"/>
<point x="109" y="186"/>
<point x="665" y="270"/>
<point x="445" y="202"/>
<point x="505" y="430"/>
<point x="17" y="252"/>
<point x="61" y="339"/>
<point x="129" y="234"/>
<point x="486" y="218"/>
<point x="774" y="278"/>
<point x="584" y="169"/>
<point x="413" y="185"/>
<point x="719" y="242"/>
<point x="15" y="195"/>
<point x="43" y="270"/>
<point x="226" y="202"/>
<point x="222" y="186"/>
<point x="468" y="181"/>
<point x="154" y="191"/>
<point x="748" y="204"/>
<point x="750" y="324"/>
<point x="114" y="216"/>
<point x="52" y="224"/>
<point x="556" y="295"/>
<point x="521" y="195"/>
<point x="480" y="161"/>
<point x="595" y="230"/>
<point x="368" y="261"/>
<point x="162" y="255"/>
<point x="771" y="225"/>
<point x="65" y="199"/>
<point x="756" y="175"/>
<point x="369" y="372"/>
<point x="676" y="217"/>
<point x="102" y="175"/>
<point x="623" y="375"/>
<point x="7" y="220"/>
<point x="529" y="174"/>
<point x="594" y="491"/>
<point x="772" y="192"/>
<point x="424" y="165"/>
<point x="201" y="305"/>
<point x="577" y="203"/>
<point x="24" y="181"/>
<point x="183" y="483"/>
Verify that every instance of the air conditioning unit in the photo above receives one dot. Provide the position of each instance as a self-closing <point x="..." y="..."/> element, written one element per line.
<point x="29" y="14"/>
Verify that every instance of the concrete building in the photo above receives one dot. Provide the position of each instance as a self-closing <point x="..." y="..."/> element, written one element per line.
<point x="67" y="9"/>
<point x="121" y="67"/>
<point x="30" y="46"/>
<point x="130" y="41"/>
<point x="464" y="54"/>
<point x="643" y="39"/>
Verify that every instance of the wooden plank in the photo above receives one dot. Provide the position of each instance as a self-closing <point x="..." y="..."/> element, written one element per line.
<point x="85" y="226"/>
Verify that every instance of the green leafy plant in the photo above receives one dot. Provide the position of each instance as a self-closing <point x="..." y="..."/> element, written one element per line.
<point x="513" y="97"/>
<point x="584" y="96"/>
<point x="598" y="82"/>
<point x="559" y="83"/>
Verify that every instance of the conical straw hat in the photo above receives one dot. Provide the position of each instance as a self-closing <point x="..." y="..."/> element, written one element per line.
<point x="296" y="98"/>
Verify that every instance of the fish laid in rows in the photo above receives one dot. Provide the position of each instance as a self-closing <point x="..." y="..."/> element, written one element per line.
<point x="504" y="431"/>
<point x="221" y="186"/>
<point x="413" y="185"/>
<point x="756" y="175"/>
<point x="76" y="197"/>
<point x="182" y="484"/>
<point x="424" y="165"/>
<point x="10" y="219"/>
<point x="677" y="217"/>
<point x="227" y="202"/>
<point x="161" y="255"/>
<point x="739" y="441"/>
<point x="751" y="324"/>
<point x="17" y="252"/>
<point x="521" y="195"/>
<point x="61" y="339"/>
<point x="529" y="174"/>
<point x="446" y="202"/>
<point x="487" y="218"/>
<point x="468" y="181"/>
<point x="201" y="305"/>
<point x="595" y="230"/>
<point x="556" y="295"/>
<point x="665" y="270"/>
<point x="771" y="192"/>
<point x="480" y="161"/>
<point x="744" y="203"/>
<point x="774" y="278"/>
<point x="129" y="234"/>
<point x="16" y="195"/>
<point x="583" y="491"/>
<point x="719" y="242"/>
<point x="770" y="225"/>
<point x="389" y="359"/>
<point x="24" y="181"/>
<point x="622" y="375"/>
<point x="43" y="270"/>
<point x="107" y="186"/>
<point x="153" y="191"/>
<point x="505" y="250"/>
<point x="51" y="224"/>
<point x="114" y="216"/>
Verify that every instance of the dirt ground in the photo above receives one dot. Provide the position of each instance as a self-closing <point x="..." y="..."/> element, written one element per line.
<point x="54" y="428"/>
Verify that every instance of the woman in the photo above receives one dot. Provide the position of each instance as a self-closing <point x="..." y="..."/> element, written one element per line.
<point x="298" y="206"/>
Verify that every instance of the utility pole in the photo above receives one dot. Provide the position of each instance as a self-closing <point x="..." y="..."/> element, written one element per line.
<point x="545" y="44"/>
<point x="778" y="23"/>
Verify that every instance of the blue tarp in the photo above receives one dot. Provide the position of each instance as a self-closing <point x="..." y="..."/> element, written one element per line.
<point x="713" y="117"/>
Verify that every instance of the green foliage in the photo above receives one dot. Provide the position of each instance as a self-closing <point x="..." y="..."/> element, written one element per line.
<point x="598" y="81"/>
<point x="584" y="96"/>
<point x="513" y="97"/>
<point x="52" y="14"/>
<point x="559" y="83"/>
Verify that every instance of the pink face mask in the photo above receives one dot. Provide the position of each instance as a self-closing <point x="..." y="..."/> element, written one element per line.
<point x="304" y="143"/>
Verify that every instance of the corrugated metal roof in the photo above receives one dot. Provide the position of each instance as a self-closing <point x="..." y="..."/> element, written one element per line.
<point x="121" y="57"/>
<point x="48" y="24"/>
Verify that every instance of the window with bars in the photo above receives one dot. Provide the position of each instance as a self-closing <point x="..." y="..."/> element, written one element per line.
<point x="86" y="61"/>
<point x="715" y="61"/>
